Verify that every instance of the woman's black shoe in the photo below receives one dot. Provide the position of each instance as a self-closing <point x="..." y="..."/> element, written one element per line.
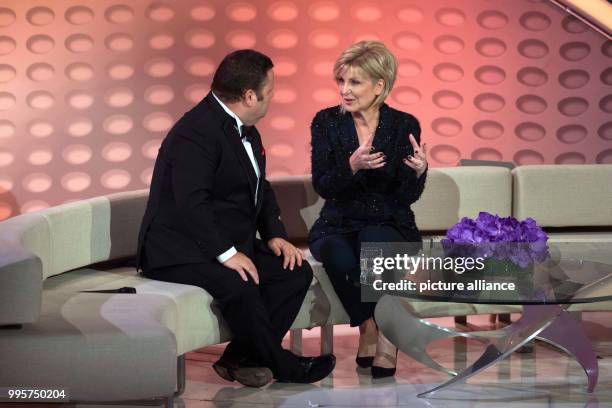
<point x="364" y="362"/>
<point x="382" y="372"/>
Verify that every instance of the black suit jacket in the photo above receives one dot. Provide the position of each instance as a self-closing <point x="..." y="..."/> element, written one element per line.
<point x="380" y="196"/>
<point x="202" y="197"/>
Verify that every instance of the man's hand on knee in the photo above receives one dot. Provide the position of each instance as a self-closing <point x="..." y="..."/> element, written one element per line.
<point x="291" y="254"/>
<point x="243" y="265"/>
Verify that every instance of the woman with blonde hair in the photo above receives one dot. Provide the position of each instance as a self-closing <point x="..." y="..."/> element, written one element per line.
<point x="368" y="165"/>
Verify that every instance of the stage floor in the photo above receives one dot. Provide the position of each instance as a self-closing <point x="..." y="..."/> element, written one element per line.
<point x="547" y="377"/>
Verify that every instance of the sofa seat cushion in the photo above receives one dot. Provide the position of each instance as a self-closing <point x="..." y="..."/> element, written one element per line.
<point x="426" y="309"/>
<point x="586" y="246"/>
<point x="194" y="320"/>
<point x="581" y="236"/>
<point x="197" y="321"/>
<point x="326" y="306"/>
<point x="101" y="347"/>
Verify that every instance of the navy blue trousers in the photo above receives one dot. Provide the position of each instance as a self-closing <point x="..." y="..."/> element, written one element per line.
<point x="340" y="256"/>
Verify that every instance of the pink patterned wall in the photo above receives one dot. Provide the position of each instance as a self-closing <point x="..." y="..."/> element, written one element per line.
<point x="89" y="88"/>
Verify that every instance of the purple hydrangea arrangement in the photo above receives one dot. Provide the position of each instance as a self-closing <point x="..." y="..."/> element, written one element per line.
<point x="500" y="238"/>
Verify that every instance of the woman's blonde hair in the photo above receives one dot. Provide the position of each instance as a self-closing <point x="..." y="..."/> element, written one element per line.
<point x="375" y="60"/>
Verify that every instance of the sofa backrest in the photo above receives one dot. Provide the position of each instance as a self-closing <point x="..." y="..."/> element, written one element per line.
<point x="300" y="205"/>
<point x="77" y="234"/>
<point x="45" y="243"/>
<point x="452" y="193"/>
<point x="564" y="195"/>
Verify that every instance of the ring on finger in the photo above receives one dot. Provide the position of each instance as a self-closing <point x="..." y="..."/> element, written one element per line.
<point x="369" y="164"/>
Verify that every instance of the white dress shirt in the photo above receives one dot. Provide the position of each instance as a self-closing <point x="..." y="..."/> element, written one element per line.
<point x="249" y="150"/>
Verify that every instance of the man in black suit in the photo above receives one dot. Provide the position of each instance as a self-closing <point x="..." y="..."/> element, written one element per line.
<point x="209" y="197"/>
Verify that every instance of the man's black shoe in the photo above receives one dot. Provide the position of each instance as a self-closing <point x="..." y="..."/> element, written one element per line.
<point x="246" y="374"/>
<point x="312" y="369"/>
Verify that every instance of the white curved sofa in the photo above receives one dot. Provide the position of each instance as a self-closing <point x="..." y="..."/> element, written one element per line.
<point x="119" y="347"/>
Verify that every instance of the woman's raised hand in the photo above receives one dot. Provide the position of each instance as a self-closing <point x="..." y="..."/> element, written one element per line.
<point x="363" y="159"/>
<point x="418" y="162"/>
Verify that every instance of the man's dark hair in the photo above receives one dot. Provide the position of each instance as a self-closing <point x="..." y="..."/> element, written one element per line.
<point x="240" y="71"/>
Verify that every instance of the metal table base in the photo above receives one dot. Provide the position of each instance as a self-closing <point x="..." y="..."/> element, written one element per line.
<point x="550" y="323"/>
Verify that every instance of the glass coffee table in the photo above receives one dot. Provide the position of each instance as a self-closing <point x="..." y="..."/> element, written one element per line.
<point x="545" y="291"/>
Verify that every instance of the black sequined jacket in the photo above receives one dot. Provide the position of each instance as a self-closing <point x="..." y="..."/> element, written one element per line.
<point x="380" y="196"/>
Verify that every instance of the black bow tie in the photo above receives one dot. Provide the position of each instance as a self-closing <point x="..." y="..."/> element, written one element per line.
<point x="246" y="132"/>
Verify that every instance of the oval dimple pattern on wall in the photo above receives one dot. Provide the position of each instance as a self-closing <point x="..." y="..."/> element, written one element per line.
<point x="89" y="89"/>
